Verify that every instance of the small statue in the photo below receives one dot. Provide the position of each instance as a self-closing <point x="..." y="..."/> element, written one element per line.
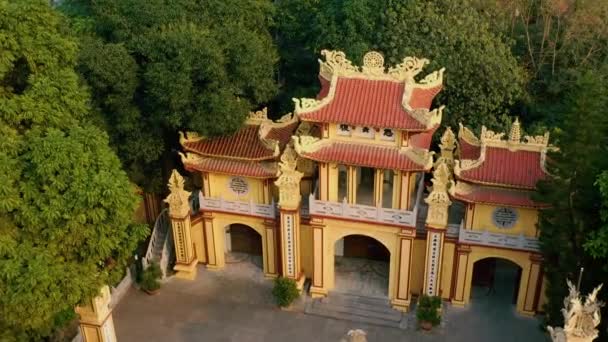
<point x="356" y="335"/>
<point x="580" y="320"/>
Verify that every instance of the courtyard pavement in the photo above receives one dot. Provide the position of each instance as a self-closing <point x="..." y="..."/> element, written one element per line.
<point x="235" y="304"/>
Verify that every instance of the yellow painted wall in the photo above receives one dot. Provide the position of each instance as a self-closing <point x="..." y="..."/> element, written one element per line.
<point x="333" y="134"/>
<point x="269" y="245"/>
<point x="447" y="268"/>
<point x="219" y="188"/>
<point x="418" y="266"/>
<point x="526" y="221"/>
<point x="306" y="250"/>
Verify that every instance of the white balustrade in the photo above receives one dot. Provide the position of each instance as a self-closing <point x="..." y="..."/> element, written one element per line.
<point x="361" y="212"/>
<point x="486" y="238"/>
<point x="237" y="207"/>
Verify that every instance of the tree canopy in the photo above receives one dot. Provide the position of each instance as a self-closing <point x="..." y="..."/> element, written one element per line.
<point x="157" y="67"/>
<point x="66" y="207"/>
<point x="483" y="78"/>
<point x="570" y="230"/>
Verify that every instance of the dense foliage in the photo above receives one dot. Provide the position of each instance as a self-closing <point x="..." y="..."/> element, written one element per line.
<point x="66" y="207"/>
<point x="483" y="78"/>
<point x="156" y="67"/>
<point x="150" y="278"/>
<point x="427" y="309"/>
<point x="285" y="291"/>
<point x="570" y="232"/>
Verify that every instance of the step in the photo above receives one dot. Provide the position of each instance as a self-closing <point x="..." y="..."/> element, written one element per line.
<point x="380" y="301"/>
<point x="354" y="309"/>
<point x="383" y="310"/>
<point x="350" y="315"/>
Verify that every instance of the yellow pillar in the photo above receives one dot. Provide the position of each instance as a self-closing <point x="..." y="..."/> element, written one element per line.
<point x="351" y="181"/>
<point x="436" y="224"/>
<point x="532" y="286"/>
<point x="289" y="206"/>
<point x="215" y="253"/>
<point x="317" y="288"/>
<point x="378" y="182"/>
<point x="96" y="324"/>
<point x="405" y="245"/>
<point x="179" y="212"/>
<point x="459" y="295"/>
<point x="270" y="235"/>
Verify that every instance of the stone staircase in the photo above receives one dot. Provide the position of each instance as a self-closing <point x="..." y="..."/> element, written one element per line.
<point x="352" y="307"/>
<point x="160" y="248"/>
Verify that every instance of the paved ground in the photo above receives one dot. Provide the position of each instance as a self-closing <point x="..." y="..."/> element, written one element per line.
<point x="236" y="305"/>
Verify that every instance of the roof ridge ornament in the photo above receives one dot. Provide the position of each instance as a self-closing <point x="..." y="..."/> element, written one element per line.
<point x="257" y="117"/>
<point x="515" y="132"/>
<point x="336" y="64"/>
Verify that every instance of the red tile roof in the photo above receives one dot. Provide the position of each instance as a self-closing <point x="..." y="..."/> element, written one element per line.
<point x="233" y="167"/>
<point x="468" y="151"/>
<point x="423" y="139"/>
<point x="362" y="102"/>
<point x="244" y="144"/>
<point x="500" y="196"/>
<point x="518" y="169"/>
<point x="282" y="134"/>
<point x="366" y="156"/>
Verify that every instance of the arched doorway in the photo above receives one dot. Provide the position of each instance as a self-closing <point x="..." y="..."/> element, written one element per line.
<point x="495" y="283"/>
<point x="243" y="245"/>
<point x="361" y="266"/>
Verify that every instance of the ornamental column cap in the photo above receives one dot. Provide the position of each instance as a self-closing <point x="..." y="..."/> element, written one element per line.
<point x="178" y="199"/>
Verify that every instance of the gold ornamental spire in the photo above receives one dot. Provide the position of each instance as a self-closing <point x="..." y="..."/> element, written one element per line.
<point x="515" y="133"/>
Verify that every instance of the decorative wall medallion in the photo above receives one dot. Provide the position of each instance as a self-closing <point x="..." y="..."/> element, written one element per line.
<point x="388" y="134"/>
<point x="238" y="185"/>
<point x="365" y="132"/>
<point x="344" y="129"/>
<point x="504" y="217"/>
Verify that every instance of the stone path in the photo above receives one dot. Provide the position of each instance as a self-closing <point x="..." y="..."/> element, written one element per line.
<point x="236" y="305"/>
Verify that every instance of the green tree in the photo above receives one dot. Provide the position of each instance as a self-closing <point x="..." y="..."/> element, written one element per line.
<point x="66" y="207"/>
<point x="571" y="228"/>
<point x="157" y="67"/>
<point x="483" y="78"/>
<point x="555" y="40"/>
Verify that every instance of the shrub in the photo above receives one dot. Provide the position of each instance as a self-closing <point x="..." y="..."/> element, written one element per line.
<point x="428" y="309"/>
<point x="285" y="291"/>
<point x="150" y="277"/>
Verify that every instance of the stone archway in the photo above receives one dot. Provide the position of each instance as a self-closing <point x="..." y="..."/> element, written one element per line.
<point x="361" y="266"/>
<point x="243" y="244"/>
<point x="495" y="284"/>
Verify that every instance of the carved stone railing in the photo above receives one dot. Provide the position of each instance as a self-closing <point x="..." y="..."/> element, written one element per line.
<point x="237" y="207"/>
<point x="361" y="212"/>
<point x="485" y="238"/>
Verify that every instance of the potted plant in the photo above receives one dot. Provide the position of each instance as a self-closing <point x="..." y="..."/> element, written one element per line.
<point x="150" y="283"/>
<point x="428" y="311"/>
<point x="285" y="291"/>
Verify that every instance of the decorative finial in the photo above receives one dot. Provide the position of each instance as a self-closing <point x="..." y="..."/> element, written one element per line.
<point x="178" y="199"/>
<point x="288" y="181"/>
<point x="373" y="63"/>
<point x="439" y="200"/>
<point x="515" y="133"/>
